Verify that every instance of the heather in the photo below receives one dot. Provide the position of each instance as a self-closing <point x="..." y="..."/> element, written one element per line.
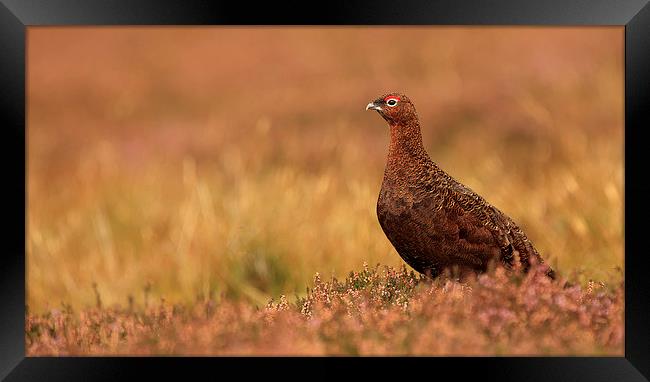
<point x="374" y="311"/>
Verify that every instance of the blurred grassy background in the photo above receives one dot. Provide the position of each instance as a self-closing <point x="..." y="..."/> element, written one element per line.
<point x="240" y="161"/>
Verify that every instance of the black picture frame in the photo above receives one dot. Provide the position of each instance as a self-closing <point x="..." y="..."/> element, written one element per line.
<point x="17" y="15"/>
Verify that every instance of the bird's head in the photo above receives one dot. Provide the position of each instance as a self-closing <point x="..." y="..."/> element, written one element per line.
<point x="394" y="108"/>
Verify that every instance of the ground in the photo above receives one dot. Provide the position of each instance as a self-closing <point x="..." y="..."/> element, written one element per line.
<point x="371" y="312"/>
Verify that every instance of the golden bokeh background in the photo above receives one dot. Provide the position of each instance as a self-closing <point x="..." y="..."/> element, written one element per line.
<point x="179" y="162"/>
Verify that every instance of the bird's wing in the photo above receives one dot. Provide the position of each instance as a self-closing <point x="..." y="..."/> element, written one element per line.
<point x="504" y="229"/>
<point x="473" y="245"/>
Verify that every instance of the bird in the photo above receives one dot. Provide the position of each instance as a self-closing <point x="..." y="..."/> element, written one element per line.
<point x="434" y="222"/>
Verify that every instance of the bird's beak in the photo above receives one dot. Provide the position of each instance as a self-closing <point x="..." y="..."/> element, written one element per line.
<point x="373" y="106"/>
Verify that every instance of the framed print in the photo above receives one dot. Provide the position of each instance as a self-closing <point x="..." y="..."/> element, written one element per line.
<point x="452" y="186"/>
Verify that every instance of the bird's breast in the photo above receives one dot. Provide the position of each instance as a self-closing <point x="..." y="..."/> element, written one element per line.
<point x="394" y="199"/>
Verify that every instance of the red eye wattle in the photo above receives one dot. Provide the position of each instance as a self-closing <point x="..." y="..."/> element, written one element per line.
<point x="391" y="101"/>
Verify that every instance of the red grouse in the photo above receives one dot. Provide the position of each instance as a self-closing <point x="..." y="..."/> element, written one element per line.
<point x="433" y="221"/>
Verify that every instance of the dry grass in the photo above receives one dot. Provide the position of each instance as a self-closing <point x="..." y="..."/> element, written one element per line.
<point x="239" y="162"/>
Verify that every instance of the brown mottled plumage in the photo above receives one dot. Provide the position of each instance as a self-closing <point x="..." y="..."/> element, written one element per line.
<point x="433" y="221"/>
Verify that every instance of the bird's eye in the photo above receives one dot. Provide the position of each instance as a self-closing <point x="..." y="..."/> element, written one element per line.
<point x="392" y="102"/>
